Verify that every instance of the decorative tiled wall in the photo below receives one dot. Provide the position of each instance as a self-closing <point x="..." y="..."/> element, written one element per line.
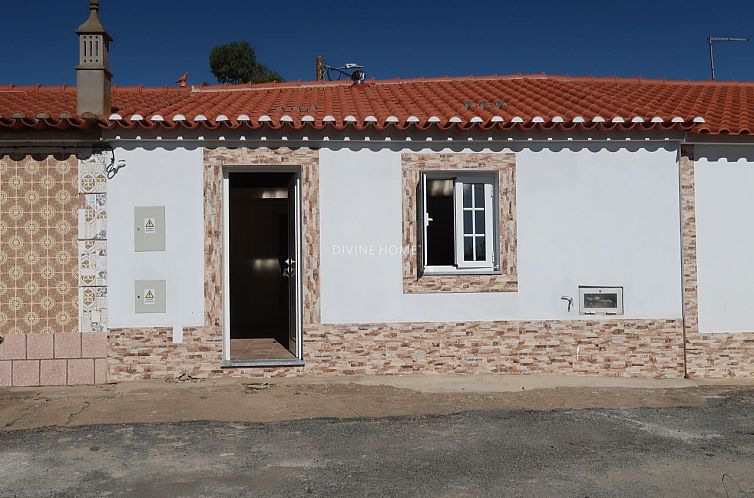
<point x="504" y="164"/>
<point x="51" y="210"/>
<point x="38" y="225"/>
<point x="707" y="354"/>
<point x="92" y="244"/>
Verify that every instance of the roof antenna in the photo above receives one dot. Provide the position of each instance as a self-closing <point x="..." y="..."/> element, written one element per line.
<point x="351" y="71"/>
<point x="710" y="40"/>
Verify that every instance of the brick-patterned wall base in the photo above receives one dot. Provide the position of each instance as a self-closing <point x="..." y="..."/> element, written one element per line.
<point x="53" y="359"/>
<point x="150" y="353"/>
<point x="720" y="355"/>
<point x="628" y="348"/>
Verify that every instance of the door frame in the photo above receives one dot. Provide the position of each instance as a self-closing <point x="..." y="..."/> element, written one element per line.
<point x="298" y="281"/>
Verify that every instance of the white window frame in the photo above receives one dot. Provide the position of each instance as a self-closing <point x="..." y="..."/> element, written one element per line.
<point x="490" y="264"/>
<point x="584" y="310"/>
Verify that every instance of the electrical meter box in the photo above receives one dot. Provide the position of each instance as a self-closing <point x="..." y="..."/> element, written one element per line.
<point x="150" y="296"/>
<point x="149" y="228"/>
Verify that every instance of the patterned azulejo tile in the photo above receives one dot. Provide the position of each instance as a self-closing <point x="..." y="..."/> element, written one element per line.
<point x="92" y="263"/>
<point x="92" y="218"/>
<point x="93" y="309"/>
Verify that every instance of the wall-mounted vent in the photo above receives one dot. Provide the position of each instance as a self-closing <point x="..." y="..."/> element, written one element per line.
<point x="600" y="300"/>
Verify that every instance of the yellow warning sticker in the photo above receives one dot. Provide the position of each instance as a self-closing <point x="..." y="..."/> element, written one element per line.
<point x="149" y="226"/>
<point x="149" y="296"/>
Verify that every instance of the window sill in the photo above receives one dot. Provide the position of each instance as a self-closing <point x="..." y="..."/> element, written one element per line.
<point x="458" y="271"/>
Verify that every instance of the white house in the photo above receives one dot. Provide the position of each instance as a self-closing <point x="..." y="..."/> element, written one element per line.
<point x="515" y="224"/>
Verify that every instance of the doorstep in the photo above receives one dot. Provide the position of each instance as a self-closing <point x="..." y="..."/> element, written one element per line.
<point x="285" y="362"/>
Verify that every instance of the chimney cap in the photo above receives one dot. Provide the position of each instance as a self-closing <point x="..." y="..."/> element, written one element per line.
<point x="93" y="25"/>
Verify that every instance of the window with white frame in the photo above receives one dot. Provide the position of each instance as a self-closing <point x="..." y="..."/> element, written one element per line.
<point x="458" y="222"/>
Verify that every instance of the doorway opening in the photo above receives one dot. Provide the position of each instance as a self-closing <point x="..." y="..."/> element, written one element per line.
<point x="262" y="267"/>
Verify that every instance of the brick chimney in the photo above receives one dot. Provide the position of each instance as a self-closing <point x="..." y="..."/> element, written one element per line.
<point x="93" y="77"/>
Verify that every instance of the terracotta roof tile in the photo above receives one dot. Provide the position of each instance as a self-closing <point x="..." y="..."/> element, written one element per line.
<point x="526" y="102"/>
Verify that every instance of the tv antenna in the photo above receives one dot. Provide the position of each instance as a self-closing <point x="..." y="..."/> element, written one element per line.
<point x="712" y="39"/>
<point x="354" y="72"/>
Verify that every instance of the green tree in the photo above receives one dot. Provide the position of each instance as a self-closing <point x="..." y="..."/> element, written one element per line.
<point x="236" y="62"/>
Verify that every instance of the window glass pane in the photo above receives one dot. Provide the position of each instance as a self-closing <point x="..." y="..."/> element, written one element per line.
<point x="466" y="195"/>
<point x="440" y="237"/>
<point x="478" y="221"/>
<point x="480" y="252"/>
<point x="479" y="195"/>
<point x="600" y="300"/>
<point x="468" y="248"/>
<point x="468" y="228"/>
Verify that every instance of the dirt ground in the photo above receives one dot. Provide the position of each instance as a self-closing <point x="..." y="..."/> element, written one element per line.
<point x="684" y="440"/>
<point x="264" y="400"/>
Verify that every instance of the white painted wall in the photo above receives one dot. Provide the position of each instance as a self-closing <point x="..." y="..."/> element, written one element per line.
<point x="725" y="240"/>
<point x="584" y="218"/>
<point x="170" y="178"/>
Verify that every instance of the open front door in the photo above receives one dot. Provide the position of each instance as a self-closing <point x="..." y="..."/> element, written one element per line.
<point x="293" y="267"/>
<point x="262" y="268"/>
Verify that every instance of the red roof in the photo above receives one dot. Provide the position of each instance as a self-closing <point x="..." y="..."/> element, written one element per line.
<point x="526" y="102"/>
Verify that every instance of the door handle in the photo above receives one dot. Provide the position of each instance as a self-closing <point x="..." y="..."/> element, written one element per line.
<point x="288" y="267"/>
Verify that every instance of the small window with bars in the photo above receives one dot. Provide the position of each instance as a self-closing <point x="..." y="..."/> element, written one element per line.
<point x="458" y="220"/>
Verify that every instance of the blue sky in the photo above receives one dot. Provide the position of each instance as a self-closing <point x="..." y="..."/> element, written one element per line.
<point x="157" y="40"/>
